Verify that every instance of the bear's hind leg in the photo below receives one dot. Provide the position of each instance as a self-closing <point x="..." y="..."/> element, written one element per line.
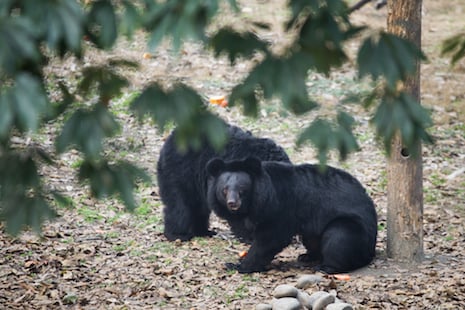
<point x="184" y="221"/>
<point x="345" y="246"/>
<point x="312" y="244"/>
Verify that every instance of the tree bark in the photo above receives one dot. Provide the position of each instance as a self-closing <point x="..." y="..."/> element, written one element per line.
<point x="404" y="173"/>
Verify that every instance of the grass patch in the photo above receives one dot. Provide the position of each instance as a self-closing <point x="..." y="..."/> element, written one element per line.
<point x="432" y="195"/>
<point x="250" y="278"/>
<point x="112" y="235"/>
<point x="164" y="247"/>
<point x="77" y="163"/>
<point x="147" y="215"/>
<point x="143" y="209"/>
<point x="437" y="180"/>
<point x="89" y="215"/>
<point x="123" y="103"/>
<point x="124" y="246"/>
<point x="69" y="240"/>
<point x="240" y="292"/>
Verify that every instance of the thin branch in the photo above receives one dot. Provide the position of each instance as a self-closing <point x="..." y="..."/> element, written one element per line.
<point x="358" y="5"/>
<point x="361" y="3"/>
<point x="380" y="4"/>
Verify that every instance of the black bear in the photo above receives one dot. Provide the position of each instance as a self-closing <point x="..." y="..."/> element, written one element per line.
<point x="182" y="182"/>
<point x="328" y="208"/>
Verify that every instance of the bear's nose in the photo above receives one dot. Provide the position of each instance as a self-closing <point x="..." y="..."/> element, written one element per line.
<point x="233" y="206"/>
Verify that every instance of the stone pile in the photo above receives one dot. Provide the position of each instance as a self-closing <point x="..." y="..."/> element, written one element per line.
<point x="289" y="297"/>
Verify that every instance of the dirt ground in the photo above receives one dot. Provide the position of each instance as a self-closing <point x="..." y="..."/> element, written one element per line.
<point x="96" y="256"/>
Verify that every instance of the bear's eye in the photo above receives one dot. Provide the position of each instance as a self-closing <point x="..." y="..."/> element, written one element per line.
<point x="225" y="191"/>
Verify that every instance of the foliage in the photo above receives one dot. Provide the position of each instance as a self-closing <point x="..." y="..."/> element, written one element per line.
<point x="34" y="33"/>
<point x="454" y="46"/>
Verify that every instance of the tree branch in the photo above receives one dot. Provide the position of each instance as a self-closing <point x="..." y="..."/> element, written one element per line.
<point x="358" y="5"/>
<point x="361" y="3"/>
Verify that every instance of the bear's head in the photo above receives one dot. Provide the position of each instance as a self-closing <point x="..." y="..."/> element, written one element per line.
<point x="230" y="185"/>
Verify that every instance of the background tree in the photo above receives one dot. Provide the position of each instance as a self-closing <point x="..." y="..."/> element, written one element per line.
<point x="34" y="33"/>
<point x="404" y="172"/>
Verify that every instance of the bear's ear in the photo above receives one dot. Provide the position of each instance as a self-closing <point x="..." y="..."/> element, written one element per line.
<point x="215" y="167"/>
<point x="253" y="165"/>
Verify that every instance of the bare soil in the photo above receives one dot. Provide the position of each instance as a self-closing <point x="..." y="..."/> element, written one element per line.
<point x="96" y="256"/>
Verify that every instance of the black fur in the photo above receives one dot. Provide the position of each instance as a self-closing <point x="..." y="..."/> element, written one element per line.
<point x="330" y="210"/>
<point x="182" y="182"/>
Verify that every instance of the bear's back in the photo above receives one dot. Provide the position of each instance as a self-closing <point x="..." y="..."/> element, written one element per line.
<point x="325" y="194"/>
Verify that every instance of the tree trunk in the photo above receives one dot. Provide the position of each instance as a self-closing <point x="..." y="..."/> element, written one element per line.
<point x="404" y="173"/>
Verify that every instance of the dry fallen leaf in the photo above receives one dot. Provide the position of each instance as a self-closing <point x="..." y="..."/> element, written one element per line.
<point x="344" y="277"/>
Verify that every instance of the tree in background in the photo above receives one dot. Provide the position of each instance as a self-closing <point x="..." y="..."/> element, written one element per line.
<point x="404" y="172"/>
<point x="33" y="33"/>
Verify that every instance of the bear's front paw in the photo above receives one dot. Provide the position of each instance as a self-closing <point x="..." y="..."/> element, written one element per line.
<point x="247" y="268"/>
<point x="207" y="233"/>
<point x="231" y="266"/>
<point x="241" y="268"/>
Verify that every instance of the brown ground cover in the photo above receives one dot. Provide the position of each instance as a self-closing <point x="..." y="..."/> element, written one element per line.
<point x="96" y="256"/>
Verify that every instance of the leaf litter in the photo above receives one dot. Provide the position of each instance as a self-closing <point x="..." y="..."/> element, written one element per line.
<point x="97" y="256"/>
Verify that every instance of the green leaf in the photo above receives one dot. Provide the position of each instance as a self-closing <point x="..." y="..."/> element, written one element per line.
<point x="326" y="136"/>
<point x="203" y="127"/>
<point x="23" y="105"/>
<point x="388" y="56"/>
<point x="105" y="80"/>
<point x="281" y="77"/>
<point x="152" y="101"/>
<point x="21" y="200"/>
<point x="299" y="8"/>
<point x="6" y="115"/>
<point x="400" y="113"/>
<point x="19" y="174"/>
<point x="180" y="104"/>
<point x="5" y="7"/>
<point x="23" y="211"/>
<point x="86" y="129"/>
<point x="62" y="200"/>
<point x="59" y="23"/>
<point x="236" y="44"/>
<point x="321" y="37"/>
<point x="320" y="134"/>
<point x="60" y="107"/>
<point x="346" y="142"/>
<point x="18" y="46"/>
<point x="30" y="102"/>
<point x="185" y="107"/>
<point x="109" y="179"/>
<point x="233" y="5"/>
<point x="101" y="24"/>
<point x="179" y="20"/>
<point x="131" y="19"/>
<point x="454" y="46"/>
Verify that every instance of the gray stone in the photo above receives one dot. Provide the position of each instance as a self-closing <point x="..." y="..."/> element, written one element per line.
<point x="323" y="301"/>
<point x="338" y="300"/>
<point x="315" y="296"/>
<point x="286" y="303"/>
<point x="304" y="299"/>
<point x="285" y="290"/>
<point x="339" y="306"/>
<point x="308" y="279"/>
<point x="263" y="307"/>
